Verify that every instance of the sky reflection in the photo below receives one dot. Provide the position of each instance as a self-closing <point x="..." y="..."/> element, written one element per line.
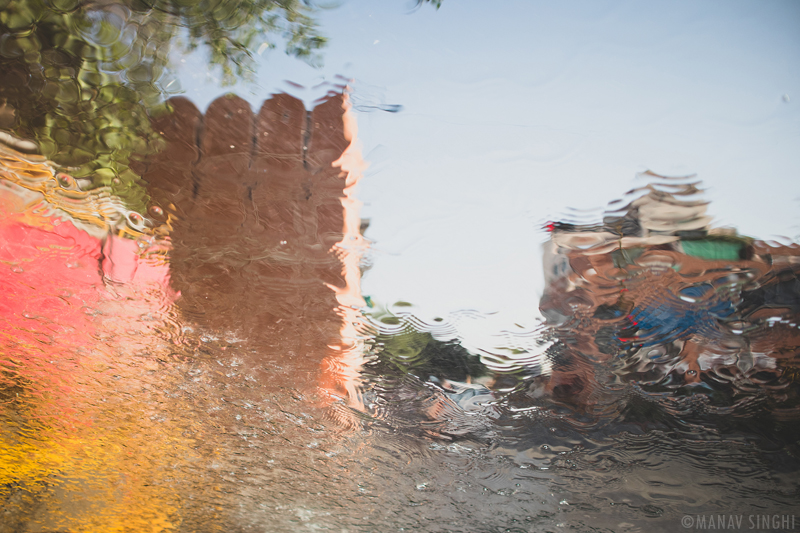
<point x="527" y="357"/>
<point x="511" y="115"/>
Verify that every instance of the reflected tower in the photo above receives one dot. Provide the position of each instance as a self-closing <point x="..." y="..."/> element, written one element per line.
<point x="264" y="228"/>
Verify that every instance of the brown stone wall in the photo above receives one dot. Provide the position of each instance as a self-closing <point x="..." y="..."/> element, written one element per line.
<point x="253" y="205"/>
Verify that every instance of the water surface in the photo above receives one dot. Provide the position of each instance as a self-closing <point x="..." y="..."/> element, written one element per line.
<point x="188" y="342"/>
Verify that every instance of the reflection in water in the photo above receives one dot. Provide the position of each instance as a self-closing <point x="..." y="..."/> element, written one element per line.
<point x="70" y="430"/>
<point x="81" y="77"/>
<point x="650" y="305"/>
<point x="697" y="319"/>
<point x="263" y="242"/>
<point x="124" y="408"/>
<point x="205" y="366"/>
<point x="664" y="379"/>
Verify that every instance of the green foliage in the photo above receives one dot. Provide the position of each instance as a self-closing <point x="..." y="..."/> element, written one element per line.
<point x="82" y="77"/>
<point x="411" y="351"/>
<point x="418" y="353"/>
<point x="231" y="29"/>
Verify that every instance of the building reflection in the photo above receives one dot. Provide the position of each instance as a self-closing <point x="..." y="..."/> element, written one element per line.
<point x="170" y="376"/>
<point x="145" y="356"/>
<point x="651" y="315"/>
<point x="656" y="298"/>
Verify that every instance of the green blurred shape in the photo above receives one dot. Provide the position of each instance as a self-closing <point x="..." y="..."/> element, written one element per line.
<point x="407" y="345"/>
<point x="84" y="78"/>
<point x="714" y="249"/>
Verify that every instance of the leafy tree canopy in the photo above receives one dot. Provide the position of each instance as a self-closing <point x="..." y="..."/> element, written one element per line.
<point x="81" y="78"/>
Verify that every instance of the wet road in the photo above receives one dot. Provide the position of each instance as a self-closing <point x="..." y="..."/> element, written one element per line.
<point x="210" y="365"/>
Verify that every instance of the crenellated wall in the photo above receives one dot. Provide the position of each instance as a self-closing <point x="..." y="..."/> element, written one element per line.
<point x="256" y="208"/>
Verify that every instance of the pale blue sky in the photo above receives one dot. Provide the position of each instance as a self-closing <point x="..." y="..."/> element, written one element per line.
<point x="514" y="112"/>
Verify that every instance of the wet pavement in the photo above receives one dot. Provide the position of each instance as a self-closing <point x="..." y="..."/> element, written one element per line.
<point x="210" y="365"/>
<point x="185" y="346"/>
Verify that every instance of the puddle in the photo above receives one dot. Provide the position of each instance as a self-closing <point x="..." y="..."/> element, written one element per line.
<point x="190" y="340"/>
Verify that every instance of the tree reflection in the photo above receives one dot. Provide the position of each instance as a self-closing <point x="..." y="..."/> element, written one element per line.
<point x="81" y="78"/>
